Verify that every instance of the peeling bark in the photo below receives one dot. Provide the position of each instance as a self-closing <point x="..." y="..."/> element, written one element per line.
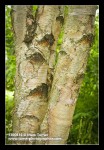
<point x="34" y="37"/>
<point x="71" y="65"/>
<point x="56" y="29"/>
<point x="45" y="94"/>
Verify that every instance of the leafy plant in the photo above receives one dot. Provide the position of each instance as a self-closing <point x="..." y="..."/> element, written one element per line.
<point x="9" y="110"/>
<point x="10" y="57"/>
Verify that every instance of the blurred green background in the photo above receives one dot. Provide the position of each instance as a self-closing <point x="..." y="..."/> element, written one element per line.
<point x="84" y="128"/>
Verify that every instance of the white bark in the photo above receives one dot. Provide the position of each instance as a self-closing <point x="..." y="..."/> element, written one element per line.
<point x="32" y="65"/>
<point x="71" y="65"/>
<point x="43" y="104"/>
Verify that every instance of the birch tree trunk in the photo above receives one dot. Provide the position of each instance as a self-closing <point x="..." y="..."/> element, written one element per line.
<point x="71" y="65"/>
<point x="35" y="41"/>
<point x="45" y="98"/>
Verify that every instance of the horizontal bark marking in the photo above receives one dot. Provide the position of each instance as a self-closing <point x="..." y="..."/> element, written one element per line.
<point x="87" y="39"/>
<point x="32" y="117"/>
<point x="47" y="39"/>
<point x="36" y="57"/>
<point x="60" y="18"/>
<point x="40" y="91"/>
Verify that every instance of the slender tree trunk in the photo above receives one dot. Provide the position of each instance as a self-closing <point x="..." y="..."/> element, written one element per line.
<point x="45" y="98"/>
<point x="35" y="40"/>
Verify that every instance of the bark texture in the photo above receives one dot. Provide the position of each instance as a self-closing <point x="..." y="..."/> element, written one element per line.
<point x="71" y="65"/>
<point x="45" y="98"/>
<point x="35" y="40"/>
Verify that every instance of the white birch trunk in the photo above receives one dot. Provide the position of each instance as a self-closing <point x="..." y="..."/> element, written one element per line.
<point x="35" y="37"/>
<point x="71" y="65"/>
<point x="45" y="98"/>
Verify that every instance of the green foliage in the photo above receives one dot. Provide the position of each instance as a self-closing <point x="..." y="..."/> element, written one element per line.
<point x="10" y="63"/>
<point x="59" y="42"/>
<point x="10" y="57"/>
<point x="9" y="110"/>
<point x="34" y="8"/>
<point x="85" y="131"/>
